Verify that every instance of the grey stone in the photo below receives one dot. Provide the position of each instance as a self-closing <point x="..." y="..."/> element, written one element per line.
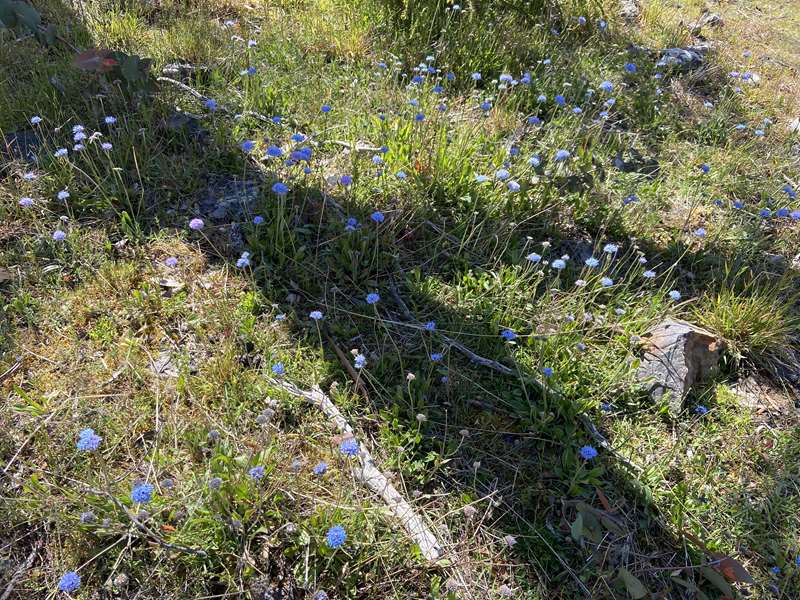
<point x="677" y="355"/>
<point x="629" y="10"/>
<point x="681" y="59"/>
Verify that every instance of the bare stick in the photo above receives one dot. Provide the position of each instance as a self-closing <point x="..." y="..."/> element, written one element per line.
<point x="22" y="570"/>
<point x="371" y="476"/>
<point x="10" y="371"/>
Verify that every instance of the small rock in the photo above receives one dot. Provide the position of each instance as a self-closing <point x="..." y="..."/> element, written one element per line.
<point x="796" y="263"/>
<point x="678" y="355"/>
<point x="794" y="126"/>
<point x="629" y="10"/>
<point x="681" y="59"/>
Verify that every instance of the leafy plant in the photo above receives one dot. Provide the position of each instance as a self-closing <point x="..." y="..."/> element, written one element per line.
<point x="113" y="65"/>
<point x="15" y="14"/>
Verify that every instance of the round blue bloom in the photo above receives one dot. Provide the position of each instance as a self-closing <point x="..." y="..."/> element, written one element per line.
<point x="506" y="78"/>
<point x="278" y="369"/>
<point x="476" y="76"/>
<point x="547" y="371"/>
<point x="142" y="493"/>
<point x="705" y="168"/>
<point x="700" y="409"/>
<point x="502" y="174"/>
<point x="373" y="298"/>
<point x="562" y="155"/>
<point x="377" y="216"/>
<point x="606" y="282"/>
<point x="88" y="441"/>
<point x="211" y="104"/>
<point x="541" y="98"/>
<point x="591" y="262"/>
<point x="577" y="110"/>
<point x="360" y="361"/>
<point x="675" y="295"/>
<point x="59" y="236"/>
<point x="256" y="472"/>
<point x="401" y="175"/>
<point x="534" y="121"/>
<point x="630" y="67"/>
<point x="276" y="119"/>
<point x="280" y="188"/>
<point x="533" y="257"/>
<point x="321" y="594"/>
<point x="481" y="178"/>
<point x="610" y="248"/>
<point x="776" y="570"/>
<point x="171" y="261"/>
<point x="486" y="106"/>
<point x="274" y="151"/>
<point x="765" y="212"/>
<point x="419" y="117"/>
<point x="700" y="232"/>
<point x="345" y="180"/>
<point x="588" y="452"/>
<point x="248" y="145"/>
<point x="258" y="220"/>
<point x="326" y="108"/>
<point x="560" y="100"/>
<point x="451" y="76"/>
<point x="607" y="86"/>
<point x="377" y="160"/>
<point x="351" y="224"/>
<point x="795" y="215"/>
<point x="69" y="582"/>
<point x="508" y="335"/>
<point x="316" y="315"/>
<point x="782" y="212"/>
<point x="298" y="137"/>
<point x="535" y="161"/>
<point x="738" y="204"/>
<point x="430" y="325"/>
<point x="335" y="537"/>
<point x="559" y="264"/>
<point x="437" y="356"/>
<point x="649" y="274"/>
<point x="214" y="483"/>
<point x="320" y="468"/>
<point x="437" y="89"/>
<point x="349" y="447"/>
<point x="513" y="186"/>
<point x="606" y="406"/>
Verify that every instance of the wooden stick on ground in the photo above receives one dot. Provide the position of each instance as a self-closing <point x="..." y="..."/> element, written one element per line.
<point x="371" y="476"/>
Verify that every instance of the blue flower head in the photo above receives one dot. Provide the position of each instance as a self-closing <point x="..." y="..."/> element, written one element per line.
<point x="280" y="188"/>
<point x="256" y="472"/>
<point x="675" y="295"/>
<point x="559" y="264"/>
<point x="588" y="452"/>
<point x="610" y="248"/>
<point x="278" y="369"/>
<point x="345" y="180"/>
<point x="533" y="257"/>
<point x="258" y="220"/>
<point x="88" y="441"/>
<point x="69" y="582"/>
<point x="560" y="100"/>
<point x="326" y="108"/>
<point x="377" y="216"/>
<point x="591" y="262"/>
<point x="274" y="151"/>
<point x="373" y="298"/>
<point x="607" y="86"/>
<point x="476" y="76"/>
<point x="776" y="570"/>
<point x="320" y="468"/>
<point x="437" y="356"/>
<point x="502" y="174"/>
<point x="606" y="282"/>
<point x="430" y="325"/>
<point x="630" y="68"/>
<point x="248" y="145"/>
<point x="142" y="493"/>
<point x="360" y="361"/>
<point x="316" y="315"/>
<point x="700" y="409"/>
<point x="547" y="371"/>
<point x="562" y="155"/>
<point x="349" y="447"/>
<point x="211" y="104"/>
<point x="335" y="537"/>
<point x="508" y="335"/>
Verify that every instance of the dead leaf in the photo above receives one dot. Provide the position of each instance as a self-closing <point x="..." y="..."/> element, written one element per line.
<point x="732" y="569"/>
<point x="603" y="500"/>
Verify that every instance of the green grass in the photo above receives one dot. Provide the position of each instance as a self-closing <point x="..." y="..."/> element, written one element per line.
<point x="171" y="365"/>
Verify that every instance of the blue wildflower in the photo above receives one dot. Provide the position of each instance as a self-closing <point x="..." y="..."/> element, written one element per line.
<point x="437" y="356"/>
<point x="349" y="447"/>
<point x="248" y="145"/>
<point x="88" y="441"/>
<point x="560" y="100"/>
<point x="430" y="325"/>
<point x="700" y="409"/>
<point x="419" y="117"/>
<point x="705" y="168"/>
<point x="69" y="582"/>
<point x="320" y="468"/>
<point x="675" y="295"/>
<point x="630" y="68"/>
<point x="606" y="282"/>
<point x="513" y="186"/>
<point x="345" y="180"/>
<point x="214" y="483"/>
<point x="607" y="86"/>
<point x="351" y="224"/>
<point x="649" y="274"/>
<point x="280" y="188"/>
<point x="776" y="570"/>
<point x="258" y="220"/>
<point x="502" y="174"/>
<point x="476" y="76"/>
<point x="533" y="257"/>
<point x="559" y="264"/>
<point x="335" y="537"/>
<point x="316" y="315"/>
<point x="278" y="369"/>
<point x="610" y="248"/>
<point x="481" y="178"/>
<point x="377" y="216"/>
<point x="562" y="155"/>
<point x="508" y="335"/>
<point x="591" y="262"/>
<point x="142" y="493"/>
<point x="326" y="108"/>
<point x="211" y="104"/>
<point x="588" y="452"/>
<point x="360" y="361"/>
<point x="59" y="236"/>
<point x="274" y="151"/>
<point x="298" y="137"/>
<point x="547" y="371"/>
<point x="256" y="472"/>
<point x="373" y="298"/>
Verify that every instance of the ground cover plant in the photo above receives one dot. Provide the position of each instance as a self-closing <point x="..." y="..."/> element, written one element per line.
<point x="320" y="299"/>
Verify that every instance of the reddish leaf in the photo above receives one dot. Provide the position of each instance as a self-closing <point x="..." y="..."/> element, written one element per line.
<point x="603" y="500"/>
<point x="732" y="569"/>
<point x="95" y="60"/>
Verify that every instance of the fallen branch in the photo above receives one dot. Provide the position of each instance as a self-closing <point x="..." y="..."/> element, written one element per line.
<point x="203" y="98"/>
<point x="371" y="476"/>
<point x="10" y="371"/>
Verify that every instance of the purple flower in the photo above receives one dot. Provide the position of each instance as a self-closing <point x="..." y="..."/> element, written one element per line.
<point x="69" y="582"/>
<point x="26" y="202"/>
<point x="59" y="236"/>
<point x="256" y="472"/>
<point x="196" y="224"/>
<point x="171" y="261"/>
<point x="349" y="447"/>
<point x="106" y="146"/>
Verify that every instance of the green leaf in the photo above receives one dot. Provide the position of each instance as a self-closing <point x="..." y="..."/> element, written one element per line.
<point x="717" y="580"/>
<point x="635" y="588"/>
<point x="576" y="530"/>
<point x="27" y="15"/>
<point x="130" y="68"/>
<point x="8" y="18"/>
